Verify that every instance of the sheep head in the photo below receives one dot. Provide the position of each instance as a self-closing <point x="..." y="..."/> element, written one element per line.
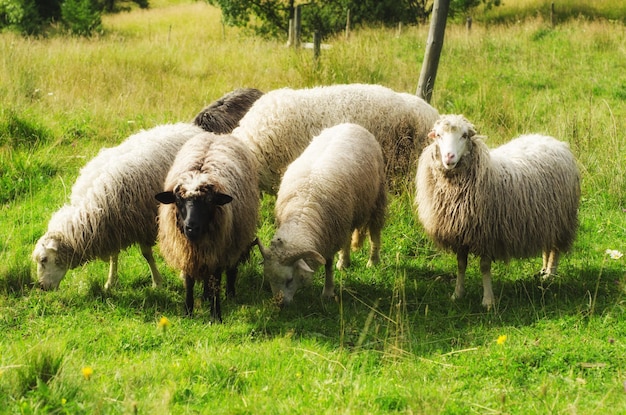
<point x="452" y="134"/>
<point x="196" y="201"/>
<point x="50" y="271"/>
<point x="288" y="271"/>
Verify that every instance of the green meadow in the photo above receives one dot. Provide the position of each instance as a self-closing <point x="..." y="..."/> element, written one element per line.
<point x="393" y="341"/>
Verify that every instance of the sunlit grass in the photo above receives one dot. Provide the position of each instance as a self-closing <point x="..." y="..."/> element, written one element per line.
<point x="518" y="10"/>
<point x="393" y="341"/>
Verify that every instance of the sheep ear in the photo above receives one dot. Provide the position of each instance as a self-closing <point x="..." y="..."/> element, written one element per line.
<point x="221" y="199"/>
<point x="310" y="255"/>
<point x="471" y="130"/>
<point x="51" y="244"/>
<point x="301" y="263"/>
<point x="166" y="197"/>
<point x="432" y="134"/>
<point x="265" y="253"/>
<point x="317" y="257"/>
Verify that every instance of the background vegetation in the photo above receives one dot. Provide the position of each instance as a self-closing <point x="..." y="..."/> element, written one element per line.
<point x="393" y="341"/>
<point x="46" y="17"/>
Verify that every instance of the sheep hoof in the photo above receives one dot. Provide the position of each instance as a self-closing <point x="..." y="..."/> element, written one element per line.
<point x="546" y="275"/>
<point x="372" y="262"/>
<point x="328" y="294"/>
<point x="457" y="295"/>
<point x="488" y="303"/>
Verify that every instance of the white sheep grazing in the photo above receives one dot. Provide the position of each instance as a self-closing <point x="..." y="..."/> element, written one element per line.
<point x="112" y="206"/>
<point x="209" y="214"/>
<point x="514" y="201"/>
<point x="281" y="123"/>
<point x="223" y="115"/>
<point x="336" y="186"/>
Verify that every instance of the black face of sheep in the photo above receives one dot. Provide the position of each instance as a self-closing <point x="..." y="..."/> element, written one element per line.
<point x="195" y="213"/>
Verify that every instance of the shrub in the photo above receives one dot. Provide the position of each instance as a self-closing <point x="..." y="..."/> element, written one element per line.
<point x="81" y="17"/>
<point x="20" y="15"/>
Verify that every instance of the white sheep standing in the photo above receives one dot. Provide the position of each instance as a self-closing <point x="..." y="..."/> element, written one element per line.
<point x="514" y="201"/>
<point x="335" y="186"/>
<point x="112" y="206"/>
<point x="223" y="115"/>
<point x="281" y="123"/>
<point x="209" y="214"/>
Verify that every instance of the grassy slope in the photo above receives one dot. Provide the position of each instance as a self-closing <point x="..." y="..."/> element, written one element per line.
<point x="393" y="341"/>
<point x="512" y="11"/>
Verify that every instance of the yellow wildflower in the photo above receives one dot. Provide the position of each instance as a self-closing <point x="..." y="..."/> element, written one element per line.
<point x="87" y="372"/>
<point x="164" y="323"/>
<point x="501" y="339"/>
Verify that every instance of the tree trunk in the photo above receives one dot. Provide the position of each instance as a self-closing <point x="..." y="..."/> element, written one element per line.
<point x="434" y="44"/>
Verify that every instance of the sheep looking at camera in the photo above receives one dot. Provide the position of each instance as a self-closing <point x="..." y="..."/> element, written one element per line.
<point x="337" y="185"/>
<point x="112" y="206"/>
<point x="223" y="115"/>
<point x="282" y="123"/>
<point x="209" y="214"/>
<point x="514" y="201"/>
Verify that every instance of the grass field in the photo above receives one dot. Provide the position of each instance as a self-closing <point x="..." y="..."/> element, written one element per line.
<point x="393" y="342"/>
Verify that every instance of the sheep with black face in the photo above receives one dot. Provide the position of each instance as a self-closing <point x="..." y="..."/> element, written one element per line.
<point x="209" y="213"/>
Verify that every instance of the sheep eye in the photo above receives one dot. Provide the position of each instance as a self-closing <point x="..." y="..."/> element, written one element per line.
<point x="288" y="281"/>
<point x="180" y="202"/>
<point x="43" y="260"/>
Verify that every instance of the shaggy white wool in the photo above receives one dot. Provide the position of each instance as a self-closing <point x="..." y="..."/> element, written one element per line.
<point x="281" y="124"/>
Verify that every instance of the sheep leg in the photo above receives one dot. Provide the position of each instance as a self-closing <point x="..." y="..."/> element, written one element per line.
<point x="554" y="261"/>
<point x="211" y="293"/>
<point x="189" y="283"/>
<point x="375" y="226"/>
<point x="545" y="256"/>
<point x="550" y="262"/>
<point x="231" y="277"/>
<point x="146" y="251"/>
<point x="461" y="262"/>
<point x="374" y="246"/>
<point x="112" y="278"/>
<point x="485" y="270"/>
<point x="344" y="257"/>
<point x="329" y="284"/>
<point x="358" y="236"/>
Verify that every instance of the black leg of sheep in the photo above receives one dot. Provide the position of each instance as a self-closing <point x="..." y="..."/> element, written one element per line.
<point x="211" y="292"/>
<point x="231" y="277"/>
<point x="189" y="284"/>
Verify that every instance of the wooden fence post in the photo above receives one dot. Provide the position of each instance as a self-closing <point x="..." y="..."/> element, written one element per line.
<point x="317" y="45"/>
<point x="297" y="18"/>
<point x="434" y="44"/>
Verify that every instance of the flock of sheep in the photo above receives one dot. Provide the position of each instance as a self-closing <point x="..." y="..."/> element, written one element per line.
<point x="330" y="155"/>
